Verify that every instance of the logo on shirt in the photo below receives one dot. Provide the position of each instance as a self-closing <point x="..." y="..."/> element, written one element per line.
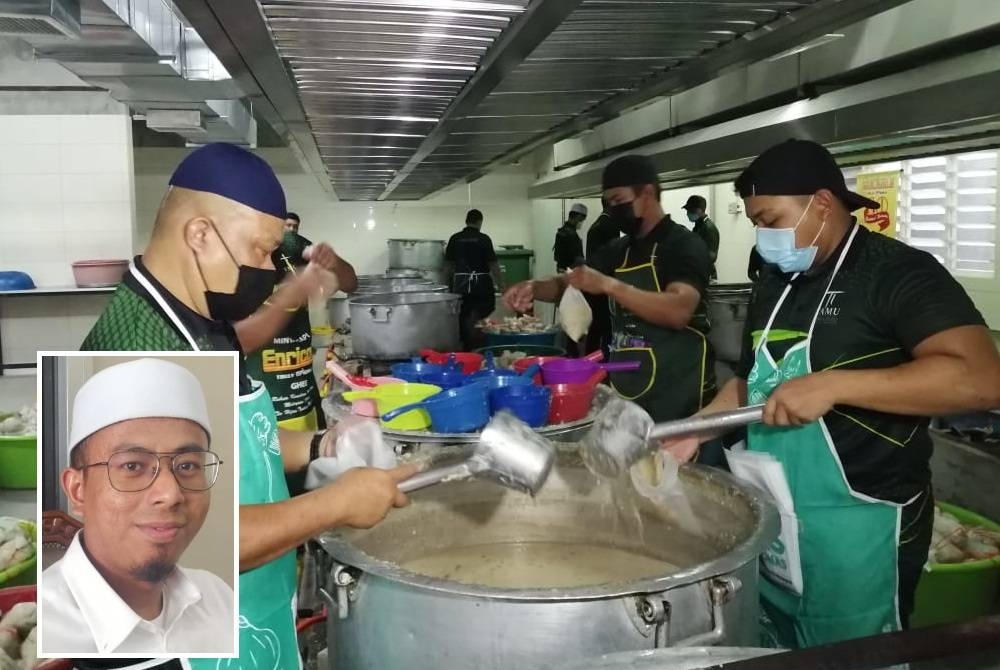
<point x="829" y="309"/>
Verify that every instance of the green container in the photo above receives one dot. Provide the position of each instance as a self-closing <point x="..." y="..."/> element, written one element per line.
<point x="18" y="464"/>
<point x="515" y="265"/>
<point x="954" y="592"/>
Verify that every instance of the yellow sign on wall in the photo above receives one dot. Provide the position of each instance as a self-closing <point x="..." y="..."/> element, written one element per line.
<point x="883" y="188"/>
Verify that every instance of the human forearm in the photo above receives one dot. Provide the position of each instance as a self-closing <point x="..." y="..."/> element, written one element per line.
<point x="259" y="329"/>
<point x="270" y="530"/>
<point x="346" y="276"/>
<point x="549" y="289"/>
<point x="497" y="277"/>
<point x="930" y="386"/>
<point x="295" y="446"/>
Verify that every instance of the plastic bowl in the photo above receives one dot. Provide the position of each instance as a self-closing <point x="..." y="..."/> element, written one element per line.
<point x="29" y="594"/>
<point x="99" y="273"/>
<point x="568" y="371"/>
<point x="411" y="372"/>
<point x="524" y="363"/>
<point x="13" y="280"/>
<point x="446" y="379"/>
<point x="470" y="361"/>
<point x="515" y="341"/>
<point x="530" y="404"/>
<point x="459" y="410"/>
<point x="954" y="592"/>
<point x="570" y="402"/>
<point x="486" y="375"/>
<point x="503" y="381"/>
<point x="18" y="463"/>
<point x="393" y="396"/>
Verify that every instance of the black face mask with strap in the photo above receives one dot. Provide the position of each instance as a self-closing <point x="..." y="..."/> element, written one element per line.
<point x="623" y="217"/>
<point x="253" y="287"/>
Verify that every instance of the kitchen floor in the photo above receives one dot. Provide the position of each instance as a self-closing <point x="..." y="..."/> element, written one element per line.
<point x="15" y="392"/>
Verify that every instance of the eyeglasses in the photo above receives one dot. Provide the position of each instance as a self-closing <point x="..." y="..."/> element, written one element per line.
<point x="133" y="470"/>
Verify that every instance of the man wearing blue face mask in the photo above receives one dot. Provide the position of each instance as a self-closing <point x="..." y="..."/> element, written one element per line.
<point x="853" y="341"/>
<point x="697" y="208"/>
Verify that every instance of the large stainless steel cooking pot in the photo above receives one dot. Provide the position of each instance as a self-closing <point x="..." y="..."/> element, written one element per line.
<point x="337" y="310"/>
<point x="389" y="326"/>
<point x="383" y="616"/>
<point x="416" y="254"/>
<point x="727" y="311"/>
<point x="397" y="285"/>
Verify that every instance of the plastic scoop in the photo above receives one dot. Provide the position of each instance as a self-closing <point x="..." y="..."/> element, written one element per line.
<point x="623" y="433"/>
<point x="508" y="452"/>
<point x="357" y="382"/>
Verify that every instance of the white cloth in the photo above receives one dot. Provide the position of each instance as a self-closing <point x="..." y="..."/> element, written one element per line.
<point x="578" y="208"/>
<point x="140" y="389"/>
<point x="82" y="614"/>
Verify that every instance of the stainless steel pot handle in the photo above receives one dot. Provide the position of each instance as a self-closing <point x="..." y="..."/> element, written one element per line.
<point x="344" y="582"/>
<point x="384" y="318"/>
<point x="720" y="591"/>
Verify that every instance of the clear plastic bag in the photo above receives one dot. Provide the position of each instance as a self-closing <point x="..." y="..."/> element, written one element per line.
<point x="575" y="315"/>
<point x="359" y="444"/>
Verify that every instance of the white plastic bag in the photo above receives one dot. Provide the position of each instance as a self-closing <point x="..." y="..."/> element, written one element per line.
<point x="359" y="444"/>
<point x="575" y="315"/>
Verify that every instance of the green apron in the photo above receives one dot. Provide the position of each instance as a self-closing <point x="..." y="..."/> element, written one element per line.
<point x="267" y="593"/>
<point x="671" y="380"/>
<point x="848" y="543"/>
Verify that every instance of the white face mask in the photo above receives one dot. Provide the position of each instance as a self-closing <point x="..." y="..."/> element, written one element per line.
<point x="777" y="246"/>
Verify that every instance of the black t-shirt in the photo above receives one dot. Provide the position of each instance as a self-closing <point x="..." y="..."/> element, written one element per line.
<point x="680" y="256"/>
<point x="602" y="232"/>
<point x="886" y="299"/>
<point x="568" y="249"/>
<point x="470" y="250"/>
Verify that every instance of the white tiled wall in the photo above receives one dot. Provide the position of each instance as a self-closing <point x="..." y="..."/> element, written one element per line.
<point x="359" y="230"/>
<point x="65" y="195"/>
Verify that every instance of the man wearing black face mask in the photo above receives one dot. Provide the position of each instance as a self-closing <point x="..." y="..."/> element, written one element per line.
<point x="654" y="279"/>
<point x="207" y="265"/>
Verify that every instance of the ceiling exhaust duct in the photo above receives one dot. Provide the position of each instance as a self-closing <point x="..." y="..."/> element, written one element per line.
<point x="53" y="18"/>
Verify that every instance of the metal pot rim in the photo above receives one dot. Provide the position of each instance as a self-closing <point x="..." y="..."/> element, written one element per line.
<point x="765" y="531"/>
<point x="393" y="299"/>
<point x="407" y="239"/>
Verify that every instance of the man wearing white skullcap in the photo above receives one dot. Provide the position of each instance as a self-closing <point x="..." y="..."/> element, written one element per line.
<point x="140" y="476"/>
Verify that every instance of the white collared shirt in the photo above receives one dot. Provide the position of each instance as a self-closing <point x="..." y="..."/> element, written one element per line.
<point x="83" y="614"/>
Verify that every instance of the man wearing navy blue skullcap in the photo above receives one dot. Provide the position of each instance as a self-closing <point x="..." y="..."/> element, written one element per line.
<point x="209" y="266"/>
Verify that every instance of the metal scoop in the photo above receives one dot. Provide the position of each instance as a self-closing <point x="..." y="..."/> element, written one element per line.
<point x="623" y="433"/>
<point x="508" y="451"/>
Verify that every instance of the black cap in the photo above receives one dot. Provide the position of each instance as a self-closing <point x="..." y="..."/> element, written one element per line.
<point x="696" y="202"/>
<point x="798" y="167"/>
<point x="631" y="170"/>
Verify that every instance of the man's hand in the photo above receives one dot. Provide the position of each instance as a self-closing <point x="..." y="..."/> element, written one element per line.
<point x="683" y="449"/>
<point x="317" y="280"/>
<point x="367" y="495"/>
<point x="802" y="400"/>
<point x="323" y="255"/>
<point x="589" y="280"/>
<point x="520" y="297"/>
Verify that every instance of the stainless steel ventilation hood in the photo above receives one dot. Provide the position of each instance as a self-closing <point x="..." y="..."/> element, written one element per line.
<point x="147" y="57"/>
<point x="950" y="105"/>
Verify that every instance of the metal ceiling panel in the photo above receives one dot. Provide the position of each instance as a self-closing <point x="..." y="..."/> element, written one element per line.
<point x="453" y="87"/>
